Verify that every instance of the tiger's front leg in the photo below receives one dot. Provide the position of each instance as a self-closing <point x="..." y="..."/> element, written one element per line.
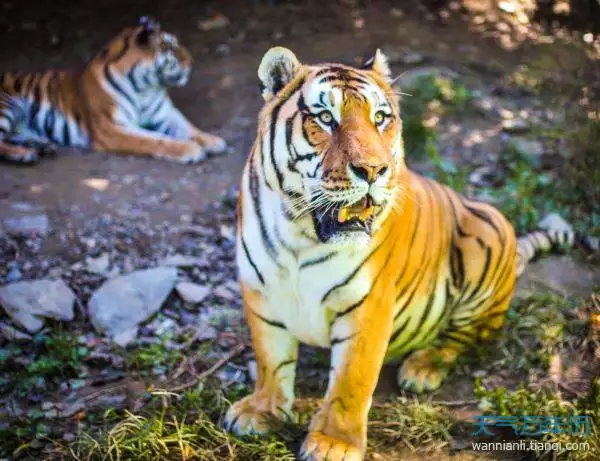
<point x="178" y="126"/>
<point x="276" y="352"/>
<point x="359" y="341"/>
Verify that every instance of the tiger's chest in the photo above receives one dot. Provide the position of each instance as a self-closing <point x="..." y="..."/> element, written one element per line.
<point x="308" y="291"/>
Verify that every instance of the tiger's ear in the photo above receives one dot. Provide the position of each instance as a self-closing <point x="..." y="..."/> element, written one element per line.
<point x="277" y="68"/>
<point x="149" y="31"/>
<point x="379" y="63"/>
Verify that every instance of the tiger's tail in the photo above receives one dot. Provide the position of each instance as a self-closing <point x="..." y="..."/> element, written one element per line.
<point x="535" y="243"/>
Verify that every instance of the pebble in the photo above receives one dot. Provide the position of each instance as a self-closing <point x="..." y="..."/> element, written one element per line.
<point x="27" y="225"/>
<point x="516" y="125"/>
<point x="223" y="292"/>
<point x="413" y="58"/>
<point x="192" y="293"/>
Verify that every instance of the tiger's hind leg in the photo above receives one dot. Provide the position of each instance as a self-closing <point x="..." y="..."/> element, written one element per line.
<point x="9" y="120"/>
<point x="425" y="369"/>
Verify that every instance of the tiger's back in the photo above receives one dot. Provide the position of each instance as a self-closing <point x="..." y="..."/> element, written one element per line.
<point x="46" y="106"/>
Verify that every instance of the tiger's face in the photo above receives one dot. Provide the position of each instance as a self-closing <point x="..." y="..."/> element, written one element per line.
<point x="150" y="56"/>
<point x="342" y="152"/>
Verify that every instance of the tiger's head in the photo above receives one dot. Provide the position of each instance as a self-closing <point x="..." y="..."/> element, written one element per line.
<point x="335" y="142"/>
<point x="149" y="56"/>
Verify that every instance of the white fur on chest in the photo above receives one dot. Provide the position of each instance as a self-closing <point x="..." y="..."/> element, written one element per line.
<point x="296" y="295"/>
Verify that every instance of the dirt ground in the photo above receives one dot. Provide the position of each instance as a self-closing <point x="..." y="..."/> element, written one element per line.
<point x="221" y="96"/>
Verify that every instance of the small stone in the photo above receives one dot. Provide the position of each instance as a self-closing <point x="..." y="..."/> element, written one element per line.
<point x="396" y="12"/>
<point x="27" y="224"/>
<point x="124" y="338"/>
<point x="516" y="125"/>
<point x="222" y="292"/>
<point x="253" y="370"/>
<point x="179" y="260"/>
<point x="47" y="406"/>
<point x="11" y="333"/>
<point x="68" y="436"/>
<point x="98" y="265"/>
<point x="192" y="293"/>
<point x="410" y="59"/>
<point x="217" y="22"/>
<point x="124" y="302"/>
<point x="529" y="148"/>
<point x="14" y="275"/>
<point x="555" y="222"/>
<point x="227" y="232"/>
<point x="27" y="302"/>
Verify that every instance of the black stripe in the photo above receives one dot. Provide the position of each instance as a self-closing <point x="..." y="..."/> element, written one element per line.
<point x="112" y="82"/>
<point x="256" y="200"/>
<point x="66" y="135"/>
<point x="348" y="310"/>
<point x="258" y="274"/>
<point x="336" y="341"/>
<point x="486" y="267"/>
<point x="273" y="323"/>
<point x="362" y="263"/>
<point x="132" y="79"/>
<point x="320" y="260"/>
<point x="484" y="217"/>
<point x="400" y="329"/>
<point x="35" y="105"/>
<point x="283" y="364"/>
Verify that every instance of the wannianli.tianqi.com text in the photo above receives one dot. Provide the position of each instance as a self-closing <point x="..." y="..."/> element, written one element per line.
<point x="530" y="445"/>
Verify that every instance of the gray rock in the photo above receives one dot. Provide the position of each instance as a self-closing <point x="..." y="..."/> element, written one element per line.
<point x="410" y="59"/>
<point x="516" y="125"/>
<point x="223" y="292"/>
<point x="98" y="265"/>
<point x="13" y="334"/>
<point x="179" y="260"/>
<point x="28" y="302"/>
<point x="121" y="304"/>
<point x="192" y="292"/>
<point x="531" y="149"/>
<point x="14" y="275"/>
<point x="555" y="222"/>
<point x="27" y="224"/>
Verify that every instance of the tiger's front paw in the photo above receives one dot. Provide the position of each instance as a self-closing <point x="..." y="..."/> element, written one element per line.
<point x="321" y="447"/>
<point x="253" y="415"/>
<point x="213" y="144"/>
<point x="425" y="370"/>
<point x="182" y="152"/>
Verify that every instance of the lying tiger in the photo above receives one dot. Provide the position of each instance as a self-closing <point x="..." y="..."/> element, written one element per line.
<point x="119" y="103"/>
<point x="341" y="246"/>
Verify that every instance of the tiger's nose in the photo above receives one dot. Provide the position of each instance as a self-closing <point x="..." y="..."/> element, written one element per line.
<point x="367" y="171"/>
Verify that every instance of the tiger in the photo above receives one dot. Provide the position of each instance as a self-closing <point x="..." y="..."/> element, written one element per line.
<point x="118" y="103"/>
<point x="341" y="246"/>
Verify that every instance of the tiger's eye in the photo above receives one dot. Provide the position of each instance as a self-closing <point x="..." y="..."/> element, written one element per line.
<point x="326" y="117"/>
<point x="380" y="117"/>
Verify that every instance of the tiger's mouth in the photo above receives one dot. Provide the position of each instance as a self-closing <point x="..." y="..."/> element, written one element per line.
<point x="355" y="218"/>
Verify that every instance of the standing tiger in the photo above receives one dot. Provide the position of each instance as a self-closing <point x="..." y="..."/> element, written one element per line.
<point x="119" y="103"/>
<point x="341" y="246"/>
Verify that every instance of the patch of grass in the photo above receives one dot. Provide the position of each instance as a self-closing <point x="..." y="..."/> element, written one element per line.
<point x="527" y="402"/>
<point x="418" y="426"/>
<point x="537" y="329"/>
<point x="582" y="176"/>
<point x="430" y="96"/>
<point x="174" y="427"/>
<point x="51" y="358"/>
<point x="156" y="358"/>
<point x="21" y="435"/>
